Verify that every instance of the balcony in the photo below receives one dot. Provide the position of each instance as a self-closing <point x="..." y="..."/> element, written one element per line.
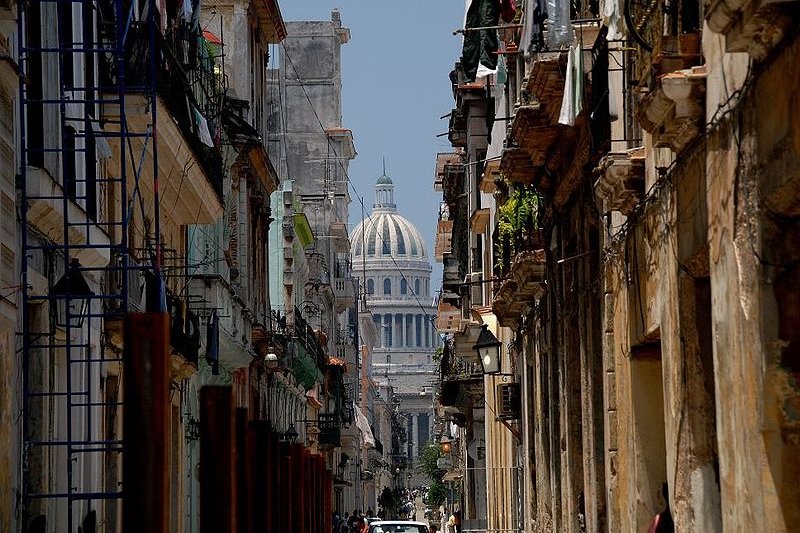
<point x="344" y="291"/>
<point x="535" y="131"/>
<point x="444" y="238"/>
<point x="754" y="26"/>
<point x="524" y="283"/>
<point x="330" y="431"/>
<point x="620" y="186"/>
<point x="461" y="380"/>
<point x="445" y="163"/>
<point x="189" y="95"/>
<point x="308" y="355"/>
<point x="674" y="111"/>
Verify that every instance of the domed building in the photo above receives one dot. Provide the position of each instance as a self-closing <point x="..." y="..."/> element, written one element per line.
<point x="391" y="261"/>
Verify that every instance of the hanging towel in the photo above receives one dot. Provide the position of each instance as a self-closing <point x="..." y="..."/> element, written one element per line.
<point x="611" y="19"/>
<point x="202" y="129"/>
<point x="614" y="90"/>
<point x="577" y="78"/>
<point x="567" y="115"/>
<point x="572" y="101"/>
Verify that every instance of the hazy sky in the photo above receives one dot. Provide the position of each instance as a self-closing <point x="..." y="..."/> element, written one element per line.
<point x="395" y="87"/>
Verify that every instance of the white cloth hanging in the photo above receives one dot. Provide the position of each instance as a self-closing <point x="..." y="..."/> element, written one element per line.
<point x="572" y="101"/>
<point x="203" y="132"/>
<point x="612" y="19"/>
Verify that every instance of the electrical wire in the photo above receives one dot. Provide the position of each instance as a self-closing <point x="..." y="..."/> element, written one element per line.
<point x="358" y="195"/>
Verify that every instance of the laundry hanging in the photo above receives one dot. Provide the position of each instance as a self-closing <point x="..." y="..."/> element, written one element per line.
<point x="203" y="133"/>
<point x="572" y="101"/>
<point x="480" y="46"/>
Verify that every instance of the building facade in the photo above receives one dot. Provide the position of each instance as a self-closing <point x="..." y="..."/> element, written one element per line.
<point x="147" y="341"/>
<point x="390" y="258"/>
<point x="634" y="211"/>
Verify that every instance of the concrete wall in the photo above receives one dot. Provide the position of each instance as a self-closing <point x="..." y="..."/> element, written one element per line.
<point x="699" y="391"/>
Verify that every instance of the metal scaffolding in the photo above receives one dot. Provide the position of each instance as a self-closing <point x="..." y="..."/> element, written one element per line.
<point x="81" y="165"/>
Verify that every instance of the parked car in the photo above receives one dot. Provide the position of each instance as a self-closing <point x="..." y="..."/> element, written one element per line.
<point x="398" y="526"/>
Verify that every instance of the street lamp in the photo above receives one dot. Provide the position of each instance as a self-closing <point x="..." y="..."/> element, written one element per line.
<point x="488" y="348"/>
<point x="192" y="429"/>
<point x="445" y="445"/>
<point x="72" y="286"/>
<point x="291" y="435"/>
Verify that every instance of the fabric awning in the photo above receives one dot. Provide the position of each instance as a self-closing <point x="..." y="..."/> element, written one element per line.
<point x="363" y="426"/>
<point x="453" y="475"/>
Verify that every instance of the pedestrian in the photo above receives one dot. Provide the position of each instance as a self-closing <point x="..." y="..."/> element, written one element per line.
<point x="351" y="522"/>
<point x="433" y="528"/>
<point x="662" y="522"/>
<point x="457" y="516"/>
<point x="370" y="513"/>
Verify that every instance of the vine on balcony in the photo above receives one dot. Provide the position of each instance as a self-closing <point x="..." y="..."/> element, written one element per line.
<point x="517" y="228"/>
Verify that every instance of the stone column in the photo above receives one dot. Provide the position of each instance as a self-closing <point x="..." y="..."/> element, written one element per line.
<point x="414" y="435"/>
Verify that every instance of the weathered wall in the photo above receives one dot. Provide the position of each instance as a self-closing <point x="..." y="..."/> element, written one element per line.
<point x="753" y="169"/>
<point x="703" y="390"/>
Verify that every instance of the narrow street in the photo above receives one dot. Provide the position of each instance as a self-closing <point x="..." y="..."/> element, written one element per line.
<point x="493" y="266"/>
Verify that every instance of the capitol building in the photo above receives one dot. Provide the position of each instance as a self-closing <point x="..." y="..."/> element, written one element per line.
<point x="391" y="262"/>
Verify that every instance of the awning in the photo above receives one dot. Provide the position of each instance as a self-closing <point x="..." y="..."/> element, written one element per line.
<point x="453" y="475"/>
<point x="363" y="426"/>
<point x="335" y="361"/>
<point x="305" y="368"/>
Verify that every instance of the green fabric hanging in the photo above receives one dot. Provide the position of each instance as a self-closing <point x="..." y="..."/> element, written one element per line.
<point x="480" y="46"/>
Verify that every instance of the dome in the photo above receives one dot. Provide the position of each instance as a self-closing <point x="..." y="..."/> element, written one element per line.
<point x="386" y="233"/>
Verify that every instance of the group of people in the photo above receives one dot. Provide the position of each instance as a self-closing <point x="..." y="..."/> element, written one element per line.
<point x="352" y="523"/>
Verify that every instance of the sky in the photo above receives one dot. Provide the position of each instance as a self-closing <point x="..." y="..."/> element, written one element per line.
<point x="395" y="84"/>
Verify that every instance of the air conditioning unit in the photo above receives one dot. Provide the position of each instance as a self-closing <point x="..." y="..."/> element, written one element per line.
<point x="476" y="289"/>
<point x="509" y="401"/>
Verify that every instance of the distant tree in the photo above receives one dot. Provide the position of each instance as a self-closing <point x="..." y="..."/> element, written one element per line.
<point x="428" y="459"/>
<point x="437" y="494"/>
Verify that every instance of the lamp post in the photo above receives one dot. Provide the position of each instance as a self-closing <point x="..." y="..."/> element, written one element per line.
<point x="72" y="286"/>
<point x="291" y="435"/>
<point x="488" y="349"/>
<point x="445" y="445"/>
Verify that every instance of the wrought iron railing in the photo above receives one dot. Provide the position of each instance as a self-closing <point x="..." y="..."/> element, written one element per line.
<point x="308" y="338"/>
<point x="330" y="430"/>
<point x="187" y="81"/>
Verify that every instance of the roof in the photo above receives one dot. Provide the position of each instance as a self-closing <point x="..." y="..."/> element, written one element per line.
<point x="384" y="180"/>
<point x="388" y="234"/>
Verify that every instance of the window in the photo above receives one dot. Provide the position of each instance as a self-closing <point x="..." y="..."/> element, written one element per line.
<point x="387" y="331"/>
<point x="401" y="242"/>
<point x="371" y="238"/>
<point x="403" y="286"/>
<point x="387" y="286"/>
<point x="370" y="286"/>
<point x="377" y="319"/>
<point x="416" y="287"/>
<point x="387" y="243"/>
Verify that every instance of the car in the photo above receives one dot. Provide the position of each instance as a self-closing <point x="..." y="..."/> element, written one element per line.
<point x="398" y="526"/>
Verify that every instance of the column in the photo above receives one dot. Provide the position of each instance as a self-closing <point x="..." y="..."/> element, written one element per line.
<point x="414" y="435"/>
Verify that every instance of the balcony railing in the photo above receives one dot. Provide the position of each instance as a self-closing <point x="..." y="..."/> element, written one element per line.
<point x="186" y="81"/>
<point x="330" y="430"/>
<point x="306" y="335"/>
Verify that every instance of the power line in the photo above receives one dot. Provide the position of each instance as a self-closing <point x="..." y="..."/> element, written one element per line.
<point x="350" y="182"/>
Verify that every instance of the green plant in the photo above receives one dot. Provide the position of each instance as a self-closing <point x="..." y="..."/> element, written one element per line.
<point x="516" y="221"/>
<point x="428" y="462"/>
<point x="437" y="494"/>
